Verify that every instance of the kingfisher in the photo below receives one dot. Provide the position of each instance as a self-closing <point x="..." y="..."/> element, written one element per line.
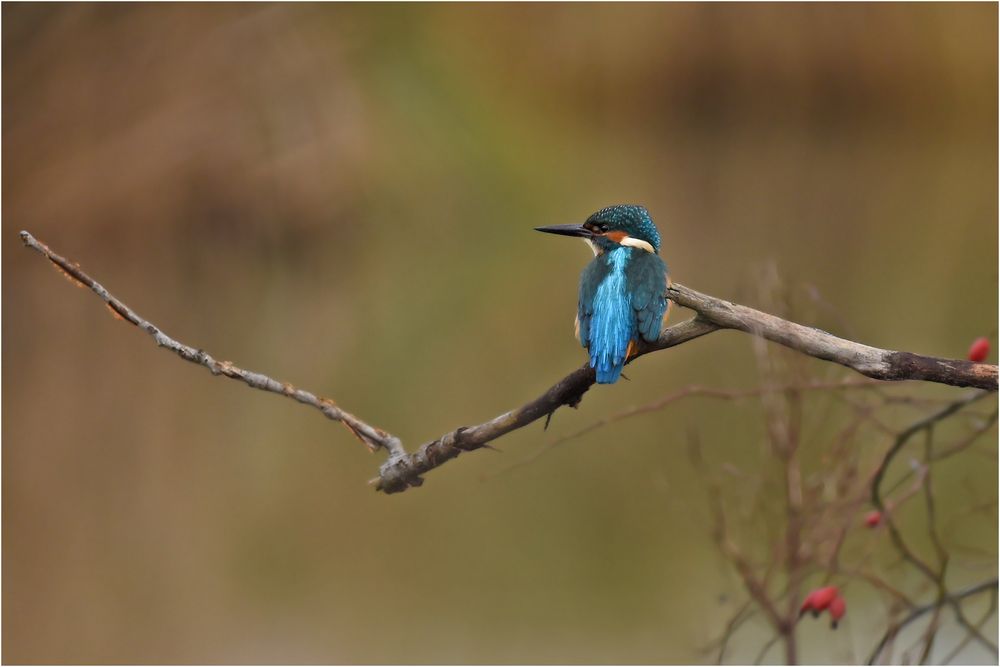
<point x="623" y="290"/>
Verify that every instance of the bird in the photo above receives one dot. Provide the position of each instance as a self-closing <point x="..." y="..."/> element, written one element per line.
<point x="623" y="290"/>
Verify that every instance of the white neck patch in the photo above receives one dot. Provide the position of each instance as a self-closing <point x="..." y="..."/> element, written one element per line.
<point x="637" y="243"/>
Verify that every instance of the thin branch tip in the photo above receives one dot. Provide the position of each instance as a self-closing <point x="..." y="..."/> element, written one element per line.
<point x="368" y="434"/>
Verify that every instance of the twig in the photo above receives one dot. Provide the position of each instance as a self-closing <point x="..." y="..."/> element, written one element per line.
<point x="904" y="437"/>
<point x="917" y="612"/>
<point x="370" y="435"/>
<point x="756" y="587"/>
<point x="962" y="444"/>
<point x="759" y="660"/>
<point x="692" y="390"/>
<point x="978" y="627"/>
<point x="742" y="615"/>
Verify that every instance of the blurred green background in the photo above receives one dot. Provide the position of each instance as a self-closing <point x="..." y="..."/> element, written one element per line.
<point x="342" y="196"/>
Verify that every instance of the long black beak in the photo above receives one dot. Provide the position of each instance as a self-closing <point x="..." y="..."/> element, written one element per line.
<point x="566" y="230"/>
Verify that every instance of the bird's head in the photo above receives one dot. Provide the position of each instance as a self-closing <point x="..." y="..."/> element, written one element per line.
<point x="614" y="226"/>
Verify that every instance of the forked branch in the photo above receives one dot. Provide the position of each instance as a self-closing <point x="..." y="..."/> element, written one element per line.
<point x="403" y="470"/>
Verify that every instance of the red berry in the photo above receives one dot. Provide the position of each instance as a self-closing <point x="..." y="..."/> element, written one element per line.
<point x="818" y="600"/>
<point x="873" y="518"/>
<point x="824" y="596"/>
<point x="979" y="349"/>
<point x="837" y="609"/>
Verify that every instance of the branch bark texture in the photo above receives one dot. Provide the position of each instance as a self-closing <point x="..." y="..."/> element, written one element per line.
<point x="402" y="470"/>
<point x="865" y="359"/>
<point x="370" y="435"/>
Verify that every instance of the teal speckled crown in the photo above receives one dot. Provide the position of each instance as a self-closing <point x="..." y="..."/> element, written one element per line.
<point x="630" y="218"/>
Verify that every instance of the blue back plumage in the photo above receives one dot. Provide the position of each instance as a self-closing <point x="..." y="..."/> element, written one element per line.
<point x="612" y="324"/>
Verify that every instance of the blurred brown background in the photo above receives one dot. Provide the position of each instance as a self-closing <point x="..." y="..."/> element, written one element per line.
<point x="342" y="196"/>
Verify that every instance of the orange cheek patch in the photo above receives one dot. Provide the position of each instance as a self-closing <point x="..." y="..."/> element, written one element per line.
<point x="617" y="237"/>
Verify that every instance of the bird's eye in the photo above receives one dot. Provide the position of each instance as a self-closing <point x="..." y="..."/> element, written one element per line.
<point x="603" y="227"/>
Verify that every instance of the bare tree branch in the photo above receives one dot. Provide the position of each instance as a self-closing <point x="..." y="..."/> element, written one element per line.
<point x="370" y="435"/>
<point x="403" y="470"/>
<point x="692" y="390"/>
<point x="399" y="472"/>
<point x="871" y="361"/>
